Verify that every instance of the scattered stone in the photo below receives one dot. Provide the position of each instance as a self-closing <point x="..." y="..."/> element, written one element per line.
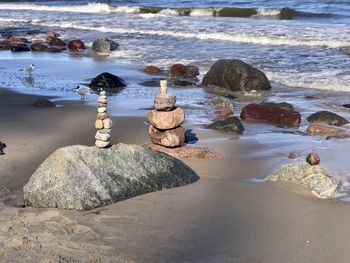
<point x="104" y="45"/>
<point x="168" y="138"/>
<point x="38" y="47"/>
<point x="81" y="178"/>
<point x="55" y="41"/>
<point x="44" y="103"/>
<point x="76" y="45"/>
<point x="318" y="179"/>
<point x="152" y="70"/>
<point x="19" y="48"/>
<point x="166" y="119"/>
<point x="108" y="82"/>
<point x="164" y="102"/>
<point x="230" y="124"/>
<point x="184" y="83"/>
<point x="236" y="75"/>
<point x="312" y="159"/>
<point x="271" y="114"/>
<point x="180" y="70"/>
<point x="53" y="50"/>
<point x="292" y="155"/>
<point x="186" y="152"/>
<point x="327" y="117"/>
<point x="322" y="129"/>
<point x="223" y="103"/>
<point x="2" y="147"/>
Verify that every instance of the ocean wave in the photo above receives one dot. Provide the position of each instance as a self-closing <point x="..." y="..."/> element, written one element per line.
<point x="284" y="13"/>
<point x="233" y="37"/>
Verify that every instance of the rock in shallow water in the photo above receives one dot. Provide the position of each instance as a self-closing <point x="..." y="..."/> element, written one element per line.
<point x="236" y="75"/>
<point x="81" y="178"/>
<point x="104" y="45"/>
<point x="230" y="124"/>
<point x="107" y="82"/>
<point x="327" y="117"/>
<point x="318" y="179"/>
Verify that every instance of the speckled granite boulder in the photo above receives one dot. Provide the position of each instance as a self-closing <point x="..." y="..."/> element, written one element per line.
<point x="321" y="182"/>
<point x="81" y="178"/>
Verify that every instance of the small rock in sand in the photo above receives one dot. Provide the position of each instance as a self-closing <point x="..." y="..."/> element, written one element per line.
<point x="312" y="159"/>
<point x="44" y="103"/>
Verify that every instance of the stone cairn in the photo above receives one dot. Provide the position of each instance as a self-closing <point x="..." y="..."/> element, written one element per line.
<point x="166" y="120"/>
<point x="103" y="124"/>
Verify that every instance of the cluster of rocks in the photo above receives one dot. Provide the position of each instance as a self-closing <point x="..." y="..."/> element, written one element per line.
<point x="166" y="120"/>
<point x="103" y="124"/>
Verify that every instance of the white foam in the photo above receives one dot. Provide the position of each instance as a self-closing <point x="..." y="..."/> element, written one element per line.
<point x="202" y="12"/>
<point x="263" y="12"/>
<point x="169" y="12"/>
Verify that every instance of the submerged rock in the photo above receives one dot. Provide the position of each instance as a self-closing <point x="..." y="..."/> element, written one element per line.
<point x="81" y="178"/>
<point x="322" y="129"/>
<point x="38" y="47"/>
<point x="230" y="124"/>
<point x="108" y="82"/>
<point x="272" y="114"/>
<point x="19" y="48"/>
<point x="327" y="117"/>
<point x="223" y="103"/>
<point x="104" y="45"/>
<point x="318" y="179"/>
<point x="55" y="41"/>
<point x="236" y="75"/>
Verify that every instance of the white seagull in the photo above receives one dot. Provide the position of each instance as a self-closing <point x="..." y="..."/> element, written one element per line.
<point x="29" y="69"/>
<point x="82" y="91"/>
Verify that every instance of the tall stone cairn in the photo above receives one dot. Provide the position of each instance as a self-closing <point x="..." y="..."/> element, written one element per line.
<point x="166" y="120"/>
<point x="103" y="124"/>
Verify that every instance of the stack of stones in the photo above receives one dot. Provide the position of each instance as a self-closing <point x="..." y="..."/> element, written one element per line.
<point x="166" y="120"/>
<point x="103" y="124"/>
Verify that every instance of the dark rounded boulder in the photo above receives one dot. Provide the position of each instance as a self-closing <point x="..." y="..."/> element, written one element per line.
<point x="76" y="45"/>
<point x="55" y="41"/>
<point x="38" y="47"/>
<point x="229" y="124"/>
<point x="19" y="48"/>
<point x="236" y="75"/>
<point x="108" y="82"/>
<point x="327" y="117"/>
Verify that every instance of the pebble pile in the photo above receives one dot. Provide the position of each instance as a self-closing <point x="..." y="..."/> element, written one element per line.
<point x="166" y="120"/>
<point x="103" y="124"/>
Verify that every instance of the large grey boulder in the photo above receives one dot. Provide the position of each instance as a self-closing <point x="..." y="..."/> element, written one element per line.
<point x="317" y="178"/>
<point x="104" y="45"/>
<point x="236" y="75"/>
<point x="81" y="178"/>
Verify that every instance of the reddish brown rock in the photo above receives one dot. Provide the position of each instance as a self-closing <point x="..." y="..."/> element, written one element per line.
<point x="322" y="129"/>
<point x="55" y="41"/>
<point x="15" y="40"/>
<point x="102" y="116"/>
<point x="166" y="119"/>
<point x="152" y="70"/>
<point x="76" y="45"/>
<point x="5" y="44"/>
<point x="38" y="47"/>
<point x="180" y="70"/>
<point x="271" y="114"/>
<point x="53" y="50"/>
<point x="168" y="138"/>
<point x="186" y="152"/>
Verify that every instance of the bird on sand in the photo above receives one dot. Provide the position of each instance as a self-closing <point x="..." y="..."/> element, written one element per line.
<point x="82" y="91"/>
<point x="29" y="69"/>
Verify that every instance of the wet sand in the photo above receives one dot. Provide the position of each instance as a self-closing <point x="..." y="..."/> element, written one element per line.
<point x="224" y="217"/>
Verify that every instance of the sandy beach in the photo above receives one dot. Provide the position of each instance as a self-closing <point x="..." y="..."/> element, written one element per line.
<point x="224" y="217"/>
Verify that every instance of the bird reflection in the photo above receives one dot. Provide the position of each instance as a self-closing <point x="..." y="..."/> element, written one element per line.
<point x="29" y="82"/>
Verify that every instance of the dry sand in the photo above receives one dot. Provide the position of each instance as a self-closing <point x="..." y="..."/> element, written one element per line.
<point x="224" y="217"/>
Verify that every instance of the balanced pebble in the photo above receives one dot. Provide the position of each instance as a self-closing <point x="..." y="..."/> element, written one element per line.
<point x="107" y="123"/>
<point x="102" y="109"/>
